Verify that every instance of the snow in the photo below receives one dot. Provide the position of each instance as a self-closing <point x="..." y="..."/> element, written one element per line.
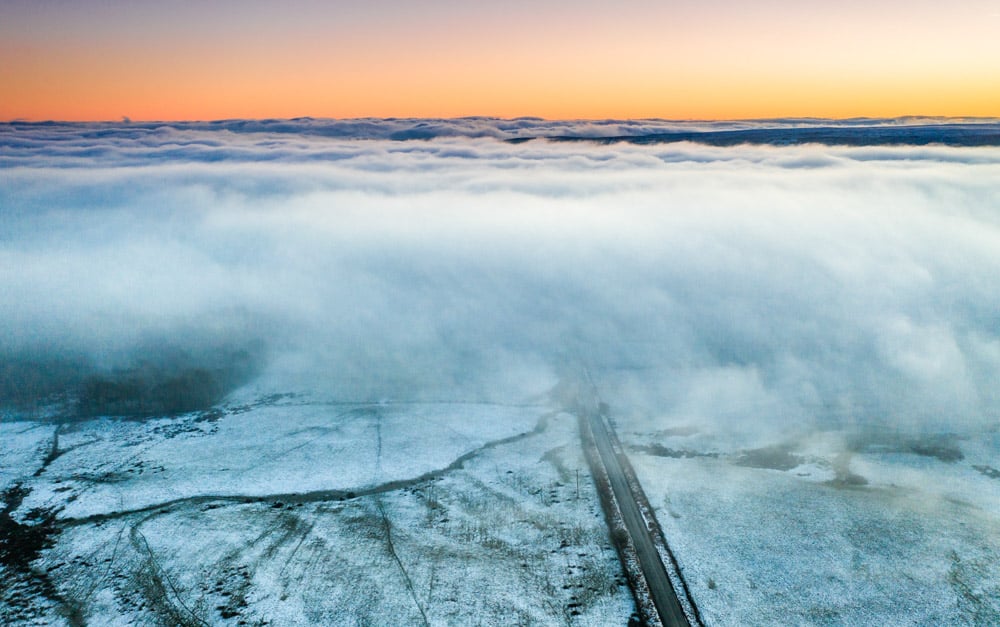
<point x="912" y="539"/>
<point x="286" y="447"/>
<point x="502" y="536"/>
<point x="24" y="445"/>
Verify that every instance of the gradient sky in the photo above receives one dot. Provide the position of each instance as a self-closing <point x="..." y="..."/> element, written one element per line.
<point x="104" y="59"/>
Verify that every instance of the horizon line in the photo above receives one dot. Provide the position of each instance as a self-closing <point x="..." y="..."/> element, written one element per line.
<point x="786" y="118"/>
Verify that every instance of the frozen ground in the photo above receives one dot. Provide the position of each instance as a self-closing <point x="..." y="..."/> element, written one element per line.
<point x="289" y="509"/>
<point x="829" y="528"/>
<point x="280" y="445"/>
<point x="292" y="511"/>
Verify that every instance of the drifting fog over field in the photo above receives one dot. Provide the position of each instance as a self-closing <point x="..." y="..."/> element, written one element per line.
<point x="750" y="288"/>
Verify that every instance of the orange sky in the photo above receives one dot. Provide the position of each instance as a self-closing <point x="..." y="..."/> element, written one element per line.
<point x="100" y="60"/>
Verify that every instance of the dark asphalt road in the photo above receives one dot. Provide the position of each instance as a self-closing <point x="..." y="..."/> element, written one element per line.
<point x="662" y="592"/>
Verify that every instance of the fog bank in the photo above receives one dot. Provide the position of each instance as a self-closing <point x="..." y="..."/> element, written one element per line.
<point x="781" y="287"/>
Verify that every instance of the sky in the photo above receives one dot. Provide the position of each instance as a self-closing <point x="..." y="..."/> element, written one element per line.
<point x="680" y="59"/>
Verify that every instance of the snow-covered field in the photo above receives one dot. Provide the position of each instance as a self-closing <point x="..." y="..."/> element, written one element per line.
<point x="299" y="512"/>
<point x="830" y="529"/>
<point x="25" y="445"/>
<point x="285" y="445"/>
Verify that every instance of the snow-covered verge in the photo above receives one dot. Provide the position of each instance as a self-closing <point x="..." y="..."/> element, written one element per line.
<point x="830" y="529"/>
<point x="300" y="512"/>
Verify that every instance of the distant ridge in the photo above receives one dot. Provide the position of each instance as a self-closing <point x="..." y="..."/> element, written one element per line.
<point x="905" y="131"/>
<point x="918" y="135"/>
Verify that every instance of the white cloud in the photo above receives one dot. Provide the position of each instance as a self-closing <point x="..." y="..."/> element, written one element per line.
<point x="750" y="286"/>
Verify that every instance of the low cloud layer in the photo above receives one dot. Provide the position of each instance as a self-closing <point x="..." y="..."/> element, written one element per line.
<point x="301" y="140"/>
<point x="781" y="287"/>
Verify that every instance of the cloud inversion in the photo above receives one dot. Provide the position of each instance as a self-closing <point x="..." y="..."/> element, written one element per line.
<point x="755" y="287"/>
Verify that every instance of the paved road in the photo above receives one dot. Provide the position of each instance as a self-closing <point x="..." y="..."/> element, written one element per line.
<point x="662" y="592"/>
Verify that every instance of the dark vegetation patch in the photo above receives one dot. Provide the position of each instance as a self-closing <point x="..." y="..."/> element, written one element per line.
<point x="29" y="382"/>
<point x="943" y="447"/>
<point x="678" y="432"/>
<point x="989" y="471"/>
<point x="179" y="384"/>
<point x="264" y="401"/>
<point x="847" y="480"/>
<point x="157" y="381"/>
<point x="21" y="543"/>
<point x="946" y="451"/>
<point x="778" y="457"/>
<point x="662" y="451"/>
<point x="147" y="391"/>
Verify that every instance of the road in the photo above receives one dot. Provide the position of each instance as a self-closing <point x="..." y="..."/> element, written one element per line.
<point x="660" y="588"/>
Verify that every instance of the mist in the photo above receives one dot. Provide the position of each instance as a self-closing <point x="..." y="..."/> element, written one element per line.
<point x="752" y="288"/>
